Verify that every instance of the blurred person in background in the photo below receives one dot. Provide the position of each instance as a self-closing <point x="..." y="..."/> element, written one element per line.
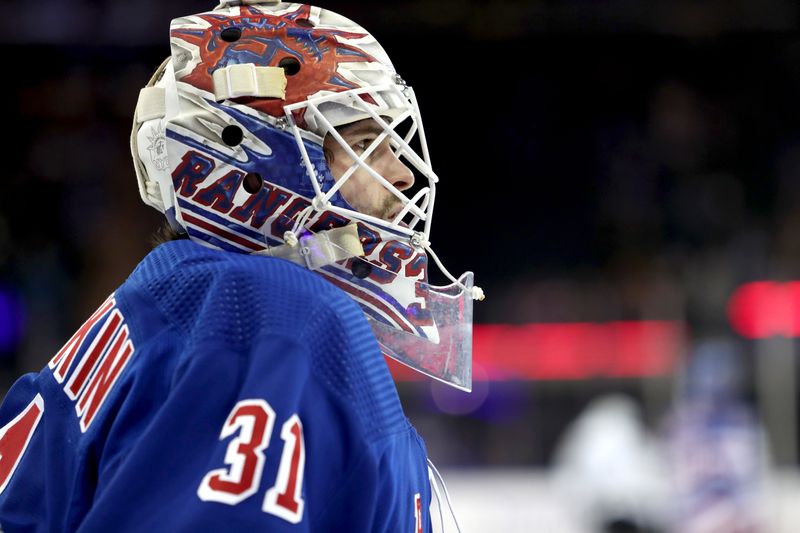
<point x="236" y="381"/>
<point x="718" y="451"/>
<point x="612" y="470"/>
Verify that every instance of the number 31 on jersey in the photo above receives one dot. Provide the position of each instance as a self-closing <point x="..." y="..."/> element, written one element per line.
<point x="254" y="421"/>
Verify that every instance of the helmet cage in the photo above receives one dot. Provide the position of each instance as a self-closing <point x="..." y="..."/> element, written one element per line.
<point x="419" y="207"/>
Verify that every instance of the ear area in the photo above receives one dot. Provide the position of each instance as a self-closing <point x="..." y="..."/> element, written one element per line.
<point x="148" y="141"/>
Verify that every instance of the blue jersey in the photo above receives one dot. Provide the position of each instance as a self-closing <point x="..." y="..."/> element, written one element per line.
<point x="214" y="392"/>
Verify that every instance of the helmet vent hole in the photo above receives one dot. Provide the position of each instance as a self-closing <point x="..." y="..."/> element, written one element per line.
<point x="252" y="182"/>
<point x="232" y="135"/>
<point x="304" y="23"/>
<point x="290" y="65"/>
<point x="231" y="35"/>
<point x="361" y="269"/>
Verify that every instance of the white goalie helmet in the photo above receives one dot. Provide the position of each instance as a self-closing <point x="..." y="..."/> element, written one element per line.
<point x="229" y="142"/>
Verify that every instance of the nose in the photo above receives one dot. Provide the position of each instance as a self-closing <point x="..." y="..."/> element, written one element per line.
<point x="397" y="173"/>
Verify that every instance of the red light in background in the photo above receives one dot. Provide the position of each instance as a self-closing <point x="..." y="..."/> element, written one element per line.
<point x="764" y="309"/>
<point x="571" y="351"/>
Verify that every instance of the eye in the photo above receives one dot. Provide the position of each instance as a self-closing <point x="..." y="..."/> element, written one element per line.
<point x="362" y="144"/>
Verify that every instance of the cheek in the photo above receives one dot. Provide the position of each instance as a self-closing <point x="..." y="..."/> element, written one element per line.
<point x="361" y="190"/>
<point x="337" y="167"/>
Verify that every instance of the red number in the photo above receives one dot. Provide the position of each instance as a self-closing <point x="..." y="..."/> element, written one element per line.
<point x="15" y="436"/>
<point x="284" y="499"/>
<point x="254" y="420"/>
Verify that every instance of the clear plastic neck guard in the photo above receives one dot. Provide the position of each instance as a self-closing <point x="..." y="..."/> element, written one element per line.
<point x="450" y="359"/>
<point x="426" y="327"/>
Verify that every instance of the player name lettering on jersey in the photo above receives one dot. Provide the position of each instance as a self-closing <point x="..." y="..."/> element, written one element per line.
<point x="90" y="363"/>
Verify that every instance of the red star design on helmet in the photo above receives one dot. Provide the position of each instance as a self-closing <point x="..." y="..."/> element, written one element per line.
<point x="266" y="40"/>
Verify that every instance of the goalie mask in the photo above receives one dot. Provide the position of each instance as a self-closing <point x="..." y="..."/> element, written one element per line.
<point x="230" y="140"/>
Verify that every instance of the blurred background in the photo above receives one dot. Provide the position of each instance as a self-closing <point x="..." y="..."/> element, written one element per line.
<point x="624" y="179"/>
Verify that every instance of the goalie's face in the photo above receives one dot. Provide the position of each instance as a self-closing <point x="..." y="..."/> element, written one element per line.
<point x="361" y="190"/>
